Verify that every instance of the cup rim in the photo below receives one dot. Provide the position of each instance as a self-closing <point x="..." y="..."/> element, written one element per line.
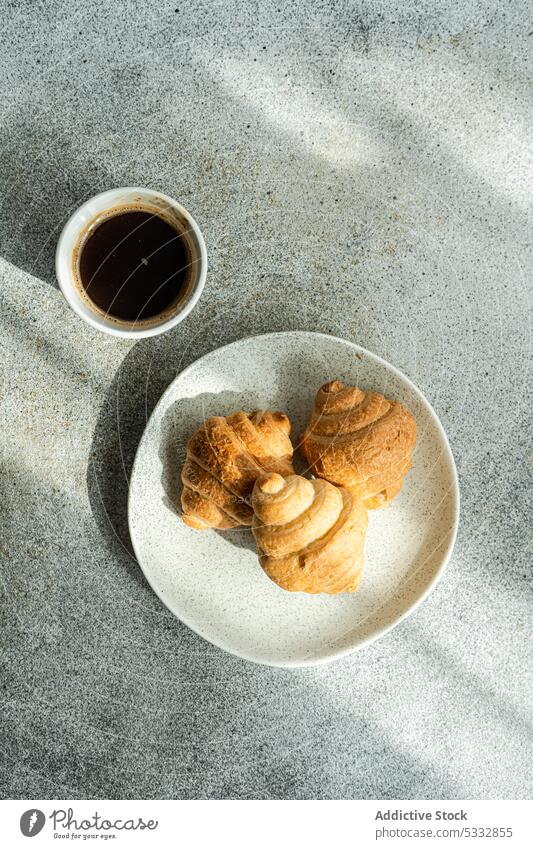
<point x="66" y="283"/>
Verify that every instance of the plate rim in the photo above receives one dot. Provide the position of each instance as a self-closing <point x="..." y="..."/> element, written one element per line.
<point x="454" y="490"/>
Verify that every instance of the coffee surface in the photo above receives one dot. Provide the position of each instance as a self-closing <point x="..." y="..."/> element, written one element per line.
<point x="133" y="265"/>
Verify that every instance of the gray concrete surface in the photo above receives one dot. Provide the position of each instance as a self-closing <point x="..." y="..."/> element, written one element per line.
<point x="362" y="169"/>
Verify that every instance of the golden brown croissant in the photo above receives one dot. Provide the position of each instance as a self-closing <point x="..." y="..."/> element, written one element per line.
<point x="309" y="533"/>
<point x="224" y="458"/>
<point x="360" y="440"/>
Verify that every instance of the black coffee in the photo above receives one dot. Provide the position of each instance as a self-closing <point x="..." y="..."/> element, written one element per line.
<point x="134" y="265"/>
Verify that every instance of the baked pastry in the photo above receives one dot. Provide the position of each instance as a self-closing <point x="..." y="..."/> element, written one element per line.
<point x="309" y="533"/>
<point x="224" y="458"/>
<point x="360" y="440"/>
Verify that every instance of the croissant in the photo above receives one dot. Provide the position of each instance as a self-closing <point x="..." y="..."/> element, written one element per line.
<point x="309" y="533"/>
<point x="225" y="456"/>
<point x="360" y="440"/>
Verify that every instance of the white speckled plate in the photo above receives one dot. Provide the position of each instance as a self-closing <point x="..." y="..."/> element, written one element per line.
<point x="212" y="580"/>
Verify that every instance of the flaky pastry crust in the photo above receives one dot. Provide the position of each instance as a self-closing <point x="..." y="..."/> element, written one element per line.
<point x="309" y="533"/>
<point x="360" y="440"/>
<point x="224" y="458"/>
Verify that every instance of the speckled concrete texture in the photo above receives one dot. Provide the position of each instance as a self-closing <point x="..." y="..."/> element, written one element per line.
<point x="359" y="169"/>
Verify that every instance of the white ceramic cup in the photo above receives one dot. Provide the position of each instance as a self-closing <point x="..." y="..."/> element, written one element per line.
<point x="71" y="238"/>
